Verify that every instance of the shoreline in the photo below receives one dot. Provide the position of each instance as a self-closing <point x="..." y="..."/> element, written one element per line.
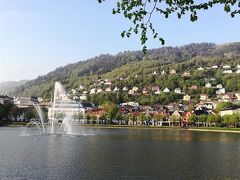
<point x="200" y="129"/>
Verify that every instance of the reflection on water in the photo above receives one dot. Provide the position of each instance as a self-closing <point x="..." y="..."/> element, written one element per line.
<point x="119" y="154"/>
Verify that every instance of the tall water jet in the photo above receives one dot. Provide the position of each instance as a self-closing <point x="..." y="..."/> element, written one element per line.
<point x="62" y="110"/>
<point x="40" y="114"/>
<point x="61" y="113"/>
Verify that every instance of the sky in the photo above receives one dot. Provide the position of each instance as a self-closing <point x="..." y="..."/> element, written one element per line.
<point x="37" y="36"/>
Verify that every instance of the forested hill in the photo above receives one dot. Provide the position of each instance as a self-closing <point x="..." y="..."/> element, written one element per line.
<point x="124" y="64"/>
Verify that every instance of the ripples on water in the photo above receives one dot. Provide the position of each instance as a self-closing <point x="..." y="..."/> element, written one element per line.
<point x="119" y="154"/>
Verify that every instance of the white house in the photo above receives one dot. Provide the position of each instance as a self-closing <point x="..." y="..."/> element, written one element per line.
<point x="238" y="71"/>
<point x="177" y="91"/>
<point x="116" y="89"/>
<point x="81" y="87"/>
<point x="200" y="68"/>
<point x="157" y="92"/>
<point x="237" y="96"/>
<point x="154" y="73"/>
<point x="135" y="89"/>
<point x="186" y="98"/>
<point x="228" y="71"/>
<point x="226" y="67"/>
<point x="186" y="74"/>
<point x="108" y="83"/>
<point x="229" y="112"/>
<point x="85" y="92"/>
<point x="130" y="91"/>
<point x="83" y="97"/>
<point x="238" y="66"/>
<point x="99" y="90"/>
<point x="92" y="91"/>
<point x="173" y="71"/>
<point x="108" y="89"/>
<point x="208" y="85"/>
<point x="73" y="91"/>
<point x="125" y="89"/>
<point x="220" y="91"/>
<point x="219" y="86"/>
<point x="203" y="97"/>
<point x="166" y="90"/>
<point x="40" y="99"/>
<point x="163" y="72"/>
<point x="214" y="67"/>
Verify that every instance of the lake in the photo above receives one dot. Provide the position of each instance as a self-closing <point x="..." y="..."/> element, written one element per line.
<point x="119" y="154"/>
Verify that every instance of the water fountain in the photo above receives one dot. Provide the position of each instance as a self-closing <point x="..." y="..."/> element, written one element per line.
<point x="60" y="114"/>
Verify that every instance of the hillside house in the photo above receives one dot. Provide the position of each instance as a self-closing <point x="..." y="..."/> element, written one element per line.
<point x="166" y="90"/>
<point x="237" y="96"/>
<point x="108" y="82"/>
<point x="228" y="71"/>
<point x="125" y="89"/>
<point x="185" y="118"/>
<point x="99" y="90"/>
<point x="83" y="97"/>
<point x="238" y="71"/>
<point x="116" y="89"/>
<point x="214" y="67"/>
<point x="92" y="91"/>
<point x="193" y="87"/>
<point x="135" y="89"/>
<point x="186" y="74"/>
<point x="186" y="98"/>
<point x="85" y="92"/>
<point x="108" y="89"/>
<point x="6" y="100"/>
<point x="228" y="96"/>
<point x="163" y="72"/>
<point x="73" y="91"/>
<point x="155" y="88"/>
<point x="144" y="90"/>
<point x="203" y="97"/>
<point x="177" y="91"/>
<point x="229" y="111"/>
<point x="208" y="85"/>
<point x="173" y="71"/>
<point x="200" y="68"/>
<point x="219" y="86"/>
<point x="220" y="91"/>
<point x="154" y="73"/>
<point x="226" y="67"/>
<point x="81" y="87"/>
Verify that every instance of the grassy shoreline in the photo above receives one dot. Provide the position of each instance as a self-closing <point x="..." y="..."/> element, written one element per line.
<point x="202" y="129"/>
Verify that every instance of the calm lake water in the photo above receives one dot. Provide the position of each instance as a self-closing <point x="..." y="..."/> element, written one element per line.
<point x="119" y="154"/>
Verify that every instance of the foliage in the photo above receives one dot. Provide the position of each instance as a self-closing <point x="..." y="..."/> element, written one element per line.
<point x="140" y="13"/>
<point x="110" y="109"/>
<point x="31" y="114"/>
<point x="223" y="105"/>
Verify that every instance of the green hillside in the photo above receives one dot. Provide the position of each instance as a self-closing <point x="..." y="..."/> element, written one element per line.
<point x="128" y="64"/>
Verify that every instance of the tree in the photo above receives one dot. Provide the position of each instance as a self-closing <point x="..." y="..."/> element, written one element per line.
<point x="31" y="114"/>
<point x="193" y="118"/>
<point x="110" y="109"/>
<point x="3" y="112"/>
<point x="140" y="13"/>
<point x="14" y="111"/>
